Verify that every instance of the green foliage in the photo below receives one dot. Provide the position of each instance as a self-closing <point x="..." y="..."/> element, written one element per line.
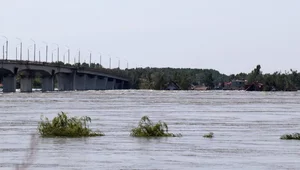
<point x="294" y="136"/>
<point x="64" y="126"/>
<point x="147" y="128"/>
<point x="209" y="135"/>
<point x="158" y="78"/>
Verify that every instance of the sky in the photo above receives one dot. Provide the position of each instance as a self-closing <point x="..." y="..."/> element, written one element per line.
<point x="231" y="36"/>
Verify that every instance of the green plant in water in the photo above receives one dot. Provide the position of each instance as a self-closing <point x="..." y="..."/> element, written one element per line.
<point x="209" y="135"/>
<point x="294" y="136"/>
<point x="147" y="128"/>
<point x="64" y="126"/>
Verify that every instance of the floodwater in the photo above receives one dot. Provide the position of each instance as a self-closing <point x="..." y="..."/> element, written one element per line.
<point x="246" y="125"/>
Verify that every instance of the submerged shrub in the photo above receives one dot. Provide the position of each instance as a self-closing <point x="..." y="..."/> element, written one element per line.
<point x="64" y="126"/>
<point x="209" y="135"/>
<point x="294" y="136"/>
<point x="147" y="128"/>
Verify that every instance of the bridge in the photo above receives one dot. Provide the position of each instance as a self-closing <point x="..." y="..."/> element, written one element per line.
<point x="66" y="77"/>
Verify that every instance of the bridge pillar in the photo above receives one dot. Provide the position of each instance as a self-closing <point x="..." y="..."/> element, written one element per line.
<point x="80" y="81"/>
<point x="122" y="84"/>
<point x="65" y="81"/>
<point x="9" y="83"/>
<point x="47" y="83"/>
<point x="101" y="83"/>
<point x="26" y="83"/>
<point x="117" y="84"/>
<point x="110" y="84"/>
<point x="90" y="83"/>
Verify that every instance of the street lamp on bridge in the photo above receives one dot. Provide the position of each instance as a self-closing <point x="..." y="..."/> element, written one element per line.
<point x="118" y="62"/>
<point x="52" y="54"/>
<point x="46" y="50"/>
<point x="57" y="51"/>
<point x="6" y="45"/>
<point x="28" y="52"/>
<point x="90" y="57"/>
<point x="68" y="51"/>
<point x="20" y="48"/>
<point x="34" y="49"/>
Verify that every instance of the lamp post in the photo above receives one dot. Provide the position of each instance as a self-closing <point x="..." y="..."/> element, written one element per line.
<point x="6" y="44"/>
<point x="126" y="64"/>
<point x="34" y="49"/>
<point x="46" y="51"/>
<point x="68" y="51"/>
<point x="28" y="52"/>
<point x="90" y="57"/>
<point x="3" y="49"/>
<point x="118" y="62"/>
<point x="79" y="56"/>
<point x="17" y="52"/>
<point x="52" y="55"/>
<point x="57" y="51"/>
<point x="100" y="60"/>
<point x="40" y="54"/>
<point x="109" y="62"/>
<point x="20" y="48"/>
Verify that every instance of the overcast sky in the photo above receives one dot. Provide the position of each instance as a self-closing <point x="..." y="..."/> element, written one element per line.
<point x="231" y="36"/>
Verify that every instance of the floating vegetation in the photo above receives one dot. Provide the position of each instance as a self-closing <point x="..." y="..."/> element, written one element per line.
<point x="147" y="128"/>
<point x="209" y="135"/>
<point x="64" y="126"/>
<point x="294" y="136"/>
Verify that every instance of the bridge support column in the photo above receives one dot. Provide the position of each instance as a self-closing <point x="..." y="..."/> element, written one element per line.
<point x="117" y="84"/>
<point x="110" y="84"/>
<point x="9" y="83"/>
<point x="80" y="81"/>
<point x="26" y="83"/>
<point x="122" y="84"/>
<point x="47" y="83"/>
<point x="101" y="83"/>
<point x="65" y="81"/>
<point x="90" y="83"/>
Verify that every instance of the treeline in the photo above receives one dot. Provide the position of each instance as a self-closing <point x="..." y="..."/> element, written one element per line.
<point x="278" y="81"/>
<point x="158" y="78"/>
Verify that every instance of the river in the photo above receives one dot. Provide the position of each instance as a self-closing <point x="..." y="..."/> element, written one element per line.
<point x="246" y="126"/>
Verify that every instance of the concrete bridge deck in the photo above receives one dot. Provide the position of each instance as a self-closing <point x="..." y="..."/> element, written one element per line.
<point x="67" y="77"/>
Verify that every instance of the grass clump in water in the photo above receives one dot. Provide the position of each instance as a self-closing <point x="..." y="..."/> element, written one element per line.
<point x="209" y="135"/>
<point x="64" y="126"/>
<point x="293" y="136"/>
<point x="147" y="128"/>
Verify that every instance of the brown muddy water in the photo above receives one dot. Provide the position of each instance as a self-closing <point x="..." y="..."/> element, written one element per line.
<point x="247" y="127"/>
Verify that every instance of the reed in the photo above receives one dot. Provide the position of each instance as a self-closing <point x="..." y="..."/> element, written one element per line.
<point x="64" y="126"/>
<point x="147" y="128"/>
<point x="209" y="135"/>
<point x="293" y="136"/>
